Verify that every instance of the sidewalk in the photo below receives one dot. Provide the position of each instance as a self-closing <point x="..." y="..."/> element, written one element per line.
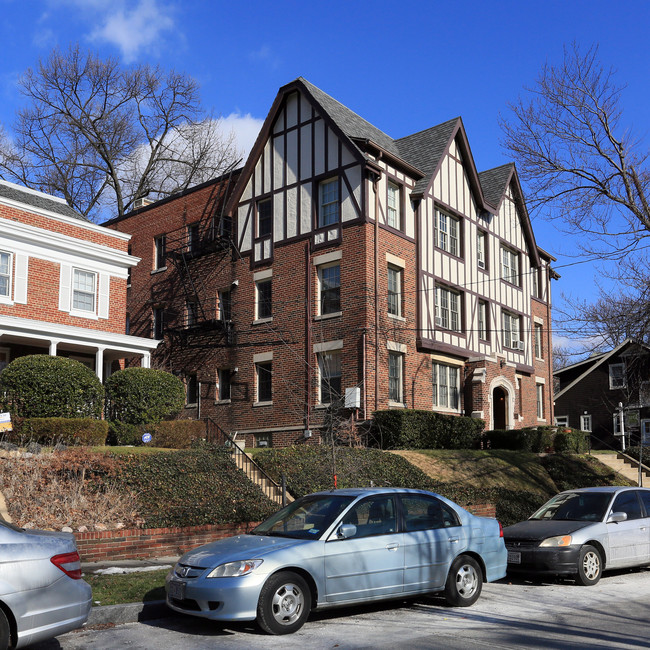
<point x="127" y="612"/>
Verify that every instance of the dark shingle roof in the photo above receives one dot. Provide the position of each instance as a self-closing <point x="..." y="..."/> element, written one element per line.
<point x="36" y="199"/>
<point x="494" y="181"/>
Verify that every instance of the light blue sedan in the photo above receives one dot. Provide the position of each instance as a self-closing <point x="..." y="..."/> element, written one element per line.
<point x="340" y="548"/>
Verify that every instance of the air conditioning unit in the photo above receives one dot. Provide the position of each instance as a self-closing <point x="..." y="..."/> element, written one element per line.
<point x="438" y="321"/>
<point x="481" y="264"/>
<point x="519" y="345"/>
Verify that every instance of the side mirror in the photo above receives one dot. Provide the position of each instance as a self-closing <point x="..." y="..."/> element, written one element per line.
<point x="617" y="517"/>
<point x="346" y="530"/>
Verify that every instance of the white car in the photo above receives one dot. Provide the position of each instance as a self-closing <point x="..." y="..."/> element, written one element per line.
<point x="42" y="594"/>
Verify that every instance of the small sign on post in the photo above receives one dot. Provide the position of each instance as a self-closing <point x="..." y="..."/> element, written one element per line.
<point x="146" y="437"/>
<point x="5" y="422"/>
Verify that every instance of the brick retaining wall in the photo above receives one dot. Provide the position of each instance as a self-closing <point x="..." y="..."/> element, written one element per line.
<point x="146" y="543"/>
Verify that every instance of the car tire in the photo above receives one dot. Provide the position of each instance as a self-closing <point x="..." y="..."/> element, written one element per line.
<point x="5" y="631"/>
<point x="284" y="603"/>
<point x="590" y="566"/>
<point x="464" y="582"/>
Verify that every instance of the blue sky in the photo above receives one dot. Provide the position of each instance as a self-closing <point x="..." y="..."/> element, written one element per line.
<point x="404" y="66"/>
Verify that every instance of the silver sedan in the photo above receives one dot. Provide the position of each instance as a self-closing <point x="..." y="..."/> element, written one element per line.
<point x="42" y="594"/>
<point x="339" y="548"/>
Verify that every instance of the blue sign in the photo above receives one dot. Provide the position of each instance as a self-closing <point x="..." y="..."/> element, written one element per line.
<point x="146" y="437"/>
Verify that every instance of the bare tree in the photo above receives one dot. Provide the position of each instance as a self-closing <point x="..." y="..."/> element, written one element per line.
<point x="102" y="136"/>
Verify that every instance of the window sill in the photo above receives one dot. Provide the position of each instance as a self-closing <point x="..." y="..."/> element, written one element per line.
<point x="160" y="270"/>
<point x="334" y="314"/>
<point x="221" y="401"/>
<point x="397" y="317"/>
<point x="260" y="321"/>
<point x="5" y="300"/>
<point x="396" y="405"/>
<point x="83" y="314"/>
<point x="257" y="404"/>
<point x="190" y="406"/>
<point x="445" y="409"/>
<point x="511" y="284"/>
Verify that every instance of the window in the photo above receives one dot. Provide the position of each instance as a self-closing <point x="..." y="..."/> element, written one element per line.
<point x="562" y="420"/>
<point x="394" y="290"/>
<point x="511" y="331"/>
<point x="328" y="212"/>
<point x="264" y="218"/>
<point x="538" y="340"/>
<point x="160" y="252"/>
<point x="193" y="237"/>
<point x="264" y="299"/>
<point x="5" y="275"/>
<point x="223" y="384"/>
<point x="628" y="502"/>
<point x="329" y="366"/>
<point x="447" y="309"/>
<point x="425" y="513"/>
<point x="509" y="266"/>
<point x="191" y="313"/>
<point x="535" y="277"/>
<point x="585" y="422"/>
<point x="84" y="291"/>
<point x="329" y="285"/>
<point x="225" y="310"/>
<point x="481" y="239"/>
<point x="483" y="320"/>
<point x="158" y="323"/>
<point x="539" y="388"/>
<point x="396" y="377"/>
<point x="376" y="515"/>
<point x="4" y="358"/>
<point x="617" y="376"/>
<point x="127" y="323"/>
<point x="446" y="383"/>
<point x="263" y="439"/>
<point x="192" y="390"/>
<point x="393" y="206"/>
<point x="447" y="233"/>
<point x="264" y="372"/>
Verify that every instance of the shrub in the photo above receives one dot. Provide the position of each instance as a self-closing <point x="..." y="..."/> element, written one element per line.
<point x="67" y="431"/>
<point x="571" y="441"/>
<point x="419" y="429"/>
<point x="41" y="386"/>
<point x="120" y="433"/>
<point x="536" y="440"/>
<point x="143" y="395"/>
<point x="176" y="434"/>
<point x="572" y="471"/>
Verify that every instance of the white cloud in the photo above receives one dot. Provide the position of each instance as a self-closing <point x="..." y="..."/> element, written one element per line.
<point x="245" y="128"/>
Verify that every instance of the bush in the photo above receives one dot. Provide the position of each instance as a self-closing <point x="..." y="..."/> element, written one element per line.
<point x="571" y="441"/>
<point x="176" y="434"/>
<point x="570" y="472"/>
<point x="419" y="429"/>
<point x="143" y="395"/>
<point x="41" y="386"/>
<point x="123" y="434"/>
<point x="67" y="431"/>
<point x="537" y="440"/>
<point x="193" y="487"/>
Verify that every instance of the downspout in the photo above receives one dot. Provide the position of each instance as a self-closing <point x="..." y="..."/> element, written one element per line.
<point x="551" y="390"/>
<point x="375" y="188"/>
<point x="198" y="401"/>
<point x="308" y="345"/>
<point x="364" y="336"/>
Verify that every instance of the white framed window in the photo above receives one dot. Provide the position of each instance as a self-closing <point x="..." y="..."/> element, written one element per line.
<point x="264" y="299"/>
<point x="535" y="277"/>
<point x="509" y="266"/>
<point x="483" y="326"/>
<point x="617" y="377"/>
<point x="539" y="390"/>
<point x="84" y="291"/>
<point x="395" y="290"/>
<point x="448" y="309"/>
<point x="191" y="313"/>
<point x="447" y="228"/>
<point x="224" y="310"/>
<point x="160" y="252"/>
<point x="446" y="386"/>
<point x="585" y="422"/>
<point x="328" y="203"/>
<point x="223" y="384"/>
<point x="329" y="371"/>
<point x="264" y="376"/>
<point x="193" y="238"/>
<point x="5" y="274"/>
<point x="329" y="288"/>
<point x="158" y="325"/>
<point x="481" y="243"/>
<point x="562" y="420"/>
<point x="539" y="331"/>
<point x="393" y="205"/>
<point x="264" y="217"/>
<point x="396" y="377"/>
<point x="511" y="331"/>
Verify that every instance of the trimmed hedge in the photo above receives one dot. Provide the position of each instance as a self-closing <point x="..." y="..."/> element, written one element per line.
<point x="573" y="471"/>
<point x="537" y="440"/>
<point x="420" y="429"/>
<point x="41" y="386"/>
<point x="67" y="431"/>
<point x="170" y="434"/>
<point x="191" y="488"/>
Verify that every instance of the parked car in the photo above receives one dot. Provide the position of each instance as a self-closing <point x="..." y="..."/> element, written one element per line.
<point x="339" y="548"/>
<point x="580" y="533"/>
<point x="42" y="594"/>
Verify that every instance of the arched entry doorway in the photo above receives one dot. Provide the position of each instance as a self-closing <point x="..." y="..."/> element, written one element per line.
<point x="500" y="407"/>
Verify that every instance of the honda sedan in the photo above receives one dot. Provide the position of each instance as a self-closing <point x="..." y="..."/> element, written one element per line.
<point x="580" y="533"/>
<point x="339" y="548"/>
<point x="42" y="594"/>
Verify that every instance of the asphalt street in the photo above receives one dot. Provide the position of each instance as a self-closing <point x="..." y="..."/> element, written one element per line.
<point x="613" y="614"/>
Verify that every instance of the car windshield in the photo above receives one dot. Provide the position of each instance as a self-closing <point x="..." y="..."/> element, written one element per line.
<point x="575" y="506"/>
<point x="306" y="518"/>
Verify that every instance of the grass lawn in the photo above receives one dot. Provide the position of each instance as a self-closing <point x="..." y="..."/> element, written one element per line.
<point x="135" y="587"/>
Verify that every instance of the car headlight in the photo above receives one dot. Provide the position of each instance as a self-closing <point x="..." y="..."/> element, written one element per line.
<point x="234" y="569"/>
<point x="560" y="540"/>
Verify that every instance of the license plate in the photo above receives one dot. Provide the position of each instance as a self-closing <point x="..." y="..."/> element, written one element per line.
<point x="176" y="590"/>
<point x="514" y="557"/>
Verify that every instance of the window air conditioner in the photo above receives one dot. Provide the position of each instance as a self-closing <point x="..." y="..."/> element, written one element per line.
<point x="519" y="345"/>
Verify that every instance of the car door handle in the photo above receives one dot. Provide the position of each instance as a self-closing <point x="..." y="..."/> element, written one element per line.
<point x="453" y="540"/>
<point x="392" y="547"/>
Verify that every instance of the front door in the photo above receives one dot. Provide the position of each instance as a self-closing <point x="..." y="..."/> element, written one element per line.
<point x="500" y="408"/>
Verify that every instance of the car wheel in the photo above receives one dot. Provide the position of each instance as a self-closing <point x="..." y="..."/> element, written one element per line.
<point x="5" y="632"/>
<point x="284" y="604"/>
<point x="464" y="582"/>
<point x="590" y="566"/>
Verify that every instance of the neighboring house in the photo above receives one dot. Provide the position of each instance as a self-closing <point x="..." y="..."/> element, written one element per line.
<point x="347" y="264"/>
<point x="62" y="284"/>
<point x="589" y="394"/>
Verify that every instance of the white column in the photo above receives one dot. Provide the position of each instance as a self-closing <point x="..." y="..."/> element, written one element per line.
<point x="146" y="360"/>
<point x="53" y="344"/>
<point x="99" y="363"/>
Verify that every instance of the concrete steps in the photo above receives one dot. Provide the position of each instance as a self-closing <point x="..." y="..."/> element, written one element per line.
<point x="271" y="489"/>
<point x="625" y="465"/>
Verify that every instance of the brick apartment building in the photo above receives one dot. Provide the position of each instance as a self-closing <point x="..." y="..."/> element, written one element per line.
<point x="341" y="263"/>
<point x="62" y="284"/>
